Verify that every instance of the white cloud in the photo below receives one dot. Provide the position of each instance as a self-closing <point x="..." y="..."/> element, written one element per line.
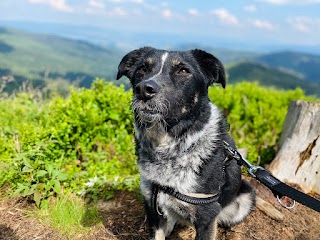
<point x="280" y="2"/>
<point x="225" y="16"/>
<point x="127" y="1"/>
<point x="118" y="12"/>
<point x="250" y="8"/>
<point x="96" y="4"/>
<point x="193" y="12"/>
<point x="262" y="24"/>
<point x="305" y="24"/>
<point x="167" y="13"/>
<point x="60" y="5"/>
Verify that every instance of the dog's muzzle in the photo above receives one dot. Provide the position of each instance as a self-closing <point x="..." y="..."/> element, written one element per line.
<point x="146" y="90"/>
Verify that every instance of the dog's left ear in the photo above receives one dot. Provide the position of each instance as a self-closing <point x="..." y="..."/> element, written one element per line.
<point x="129" y="61"/>
<point x="212" y="67"/>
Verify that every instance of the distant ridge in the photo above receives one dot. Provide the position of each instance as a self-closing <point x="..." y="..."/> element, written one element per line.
<point x="43" y="59"/>
<point x="39" y="57"/>
<point x="308" y="65"/>
<point x="268" y="76"/>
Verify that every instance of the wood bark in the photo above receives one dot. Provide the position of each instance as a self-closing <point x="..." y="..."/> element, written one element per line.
<point x="298" y="160"/>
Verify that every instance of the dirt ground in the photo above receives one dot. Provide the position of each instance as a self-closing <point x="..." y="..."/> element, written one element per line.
<point x="123" y="218"/>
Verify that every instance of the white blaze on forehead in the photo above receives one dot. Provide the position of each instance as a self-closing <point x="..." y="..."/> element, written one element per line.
<point x="163" y="60"/>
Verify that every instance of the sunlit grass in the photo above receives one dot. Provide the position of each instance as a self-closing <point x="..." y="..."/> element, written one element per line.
<point x="70" y="215"/>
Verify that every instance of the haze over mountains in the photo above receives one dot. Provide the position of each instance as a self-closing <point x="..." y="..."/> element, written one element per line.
<point x="79" y="54"/>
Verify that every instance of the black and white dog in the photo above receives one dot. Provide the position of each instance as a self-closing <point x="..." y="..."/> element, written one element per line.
<point x="186" y="176"/>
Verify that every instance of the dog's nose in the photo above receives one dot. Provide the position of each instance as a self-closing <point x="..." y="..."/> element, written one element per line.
<point x="146" y="90"/>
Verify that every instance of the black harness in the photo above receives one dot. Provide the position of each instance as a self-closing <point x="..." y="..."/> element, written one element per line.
<point x="278" y="188"/>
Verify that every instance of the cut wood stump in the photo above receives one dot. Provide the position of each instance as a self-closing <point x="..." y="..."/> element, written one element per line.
<point x="298" y="160"/>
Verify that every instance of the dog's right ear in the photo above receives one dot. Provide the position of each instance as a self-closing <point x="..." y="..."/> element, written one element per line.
<point x="129" y="61"/>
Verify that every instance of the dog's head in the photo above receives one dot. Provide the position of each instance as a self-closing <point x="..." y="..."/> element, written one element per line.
<point x="164" y="80"/>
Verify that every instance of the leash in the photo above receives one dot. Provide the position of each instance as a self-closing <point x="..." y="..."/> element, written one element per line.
<point x="278" y="188"/>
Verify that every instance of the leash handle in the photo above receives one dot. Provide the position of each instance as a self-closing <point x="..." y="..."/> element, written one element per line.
<point x="278" y="188"/>
<point x="281" y="189"/>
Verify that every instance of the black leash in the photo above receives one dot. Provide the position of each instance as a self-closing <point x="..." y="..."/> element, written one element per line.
<point x="278" y="188"/>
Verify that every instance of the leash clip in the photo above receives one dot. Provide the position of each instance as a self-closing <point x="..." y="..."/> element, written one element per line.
<point x="253" y="169"/>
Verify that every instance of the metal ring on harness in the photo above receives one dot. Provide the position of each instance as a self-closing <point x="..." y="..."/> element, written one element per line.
<point x="285" y="206"/>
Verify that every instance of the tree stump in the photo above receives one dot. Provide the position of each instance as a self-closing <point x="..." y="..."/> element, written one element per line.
<point x="298" y="160"/>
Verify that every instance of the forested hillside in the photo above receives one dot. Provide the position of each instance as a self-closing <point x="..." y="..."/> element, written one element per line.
<point x="268" y="76"/>
<point x="40" y="59"/>
<point x="306" y="65"/>
<point x="46" y="62"/>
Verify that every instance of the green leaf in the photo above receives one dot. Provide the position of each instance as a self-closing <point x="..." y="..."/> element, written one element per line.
<point x="37" y="198"/>
<point x="27" y="191"/>
<point x="41" y="173"/>
<point x="114" y="116"/>
<point x="62" y="176"/>
<point x="49" y="169"/>
<point x="56" y="187"/>
<point x="20" y="188"/>
<point x="27" y="163"/>
<point x="44" y="204"/>
<point x="26" y="169"/>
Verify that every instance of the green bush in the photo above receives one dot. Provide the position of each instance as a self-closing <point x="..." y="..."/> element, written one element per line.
<point x="84" y="143"/>
<point x="62" y="143"/>
<point x="256" y="116"/>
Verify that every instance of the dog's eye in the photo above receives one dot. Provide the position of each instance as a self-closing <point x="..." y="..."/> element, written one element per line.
<point x="142" y="69"/>
<point x="183" y="71"/>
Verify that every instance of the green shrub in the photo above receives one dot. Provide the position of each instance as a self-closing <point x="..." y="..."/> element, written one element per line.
<point x="256" y="116"/>
<point x="84" y="143"/>
<point x="62" y="143"/>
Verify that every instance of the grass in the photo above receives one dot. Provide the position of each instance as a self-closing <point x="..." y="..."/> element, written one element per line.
<point x="69" y="214"/>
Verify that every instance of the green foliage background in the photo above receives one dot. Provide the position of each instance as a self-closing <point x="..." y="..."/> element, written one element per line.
<point x="84" y="143"/>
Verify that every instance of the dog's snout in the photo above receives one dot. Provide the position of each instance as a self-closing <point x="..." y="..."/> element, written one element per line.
<point x="146" y="90"/>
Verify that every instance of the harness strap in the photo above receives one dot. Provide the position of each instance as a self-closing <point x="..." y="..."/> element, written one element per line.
<point x="192" y="198"/>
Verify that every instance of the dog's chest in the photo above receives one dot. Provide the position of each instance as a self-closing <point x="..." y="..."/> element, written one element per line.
<point x="171" y="169"/>
<point x="178" y="170"/>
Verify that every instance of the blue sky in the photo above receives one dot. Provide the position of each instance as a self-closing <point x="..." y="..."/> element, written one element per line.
<point x="275" y="21"/>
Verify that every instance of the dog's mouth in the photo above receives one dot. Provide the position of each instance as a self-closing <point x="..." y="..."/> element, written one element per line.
<point x="147" y="113"/>
<point x="150" y="111"/>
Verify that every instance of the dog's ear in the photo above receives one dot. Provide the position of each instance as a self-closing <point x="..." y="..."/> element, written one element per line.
<point x="212" y="67"/>
<point x="129" y="61"/>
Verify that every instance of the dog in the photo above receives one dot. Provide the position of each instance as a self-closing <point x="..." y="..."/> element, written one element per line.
<point x="186" y="176"/>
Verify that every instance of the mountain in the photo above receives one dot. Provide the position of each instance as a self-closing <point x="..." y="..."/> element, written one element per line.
<point x="306" y="65"/>
<point x="268" y="76"/>
<point x="45" y="59"/>
<point x="36" y="57"/>
<point x="226" y="56"/>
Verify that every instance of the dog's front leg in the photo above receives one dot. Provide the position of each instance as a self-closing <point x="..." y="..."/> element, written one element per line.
<point x="156" y="223"/>
<point x="206" y="231"/>
<point x="206" y="222"/>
